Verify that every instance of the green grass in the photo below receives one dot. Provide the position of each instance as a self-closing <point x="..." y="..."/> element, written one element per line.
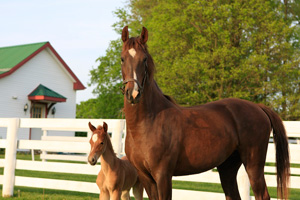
<point x="26" y="193"/>
<point x="54" y="175"/>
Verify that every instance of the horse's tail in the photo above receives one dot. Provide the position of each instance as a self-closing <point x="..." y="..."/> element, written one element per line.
<point x="282" y="152"/>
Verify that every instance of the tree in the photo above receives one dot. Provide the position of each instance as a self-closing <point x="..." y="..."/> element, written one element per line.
<point x="107" y="77"/>
<point x="209" y="50"/>
<point x="108" y="80"/>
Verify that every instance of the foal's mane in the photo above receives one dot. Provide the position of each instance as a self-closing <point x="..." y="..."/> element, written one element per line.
<point x="135" y="42"/>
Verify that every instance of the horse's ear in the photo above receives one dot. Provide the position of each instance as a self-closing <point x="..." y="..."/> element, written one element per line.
<point x="105" y="126"/>
<point x="125" y="34"/>
<point x="93" y="128"/>
<point x="144" y="36"/>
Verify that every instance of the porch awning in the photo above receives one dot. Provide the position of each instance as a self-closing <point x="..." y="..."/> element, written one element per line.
<point x="42" y="93"/>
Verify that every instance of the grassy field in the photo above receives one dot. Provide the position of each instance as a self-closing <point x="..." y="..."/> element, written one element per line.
<point x="40" y="193"/>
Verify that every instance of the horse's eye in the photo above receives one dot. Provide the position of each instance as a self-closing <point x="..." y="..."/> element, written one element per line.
<point x="122" y="60"/>
<point x="145" y="59"/>
<point x="101" y="143"/>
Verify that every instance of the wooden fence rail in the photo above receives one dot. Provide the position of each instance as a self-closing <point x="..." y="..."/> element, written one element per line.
<point x="75" y="145"/>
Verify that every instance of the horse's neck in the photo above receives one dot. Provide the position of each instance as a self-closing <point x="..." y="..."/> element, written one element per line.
<point x="108" y="158"/>
<point x="152" y="102"/>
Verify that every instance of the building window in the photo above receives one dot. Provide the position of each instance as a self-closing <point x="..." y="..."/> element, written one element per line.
<point x="37" y="112"/>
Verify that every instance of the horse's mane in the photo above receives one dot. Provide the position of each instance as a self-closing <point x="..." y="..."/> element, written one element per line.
<point x="166" y="96"/>
<point x="109" y="144"/>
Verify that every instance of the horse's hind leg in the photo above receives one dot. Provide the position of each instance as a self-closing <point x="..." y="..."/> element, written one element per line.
<point x="228" y="171"/>
<point x="253" y="156"/>
<point x="258" y="183"/>
<point x="255" y="169"/>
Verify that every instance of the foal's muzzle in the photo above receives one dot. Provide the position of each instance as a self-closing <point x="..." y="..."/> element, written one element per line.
<point x="93" y="159"/>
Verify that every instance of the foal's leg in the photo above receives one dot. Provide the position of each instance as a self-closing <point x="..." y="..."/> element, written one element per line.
<point x="137" y="190"/>
<point x="116" y="194"/>
<point x="228" y="171"/>
<point x="125" y="195"/>
<point x="104" y="195"/>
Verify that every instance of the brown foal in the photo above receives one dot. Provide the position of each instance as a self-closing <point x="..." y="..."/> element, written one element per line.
<point x="117" y="176"/>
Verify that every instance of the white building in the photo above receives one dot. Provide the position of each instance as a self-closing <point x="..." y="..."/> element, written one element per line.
<point x="35" y="82"/>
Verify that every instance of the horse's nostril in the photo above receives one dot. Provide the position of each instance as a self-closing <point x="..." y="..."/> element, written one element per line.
<point x="92" y="160"/>
<point x="128" y="94"/>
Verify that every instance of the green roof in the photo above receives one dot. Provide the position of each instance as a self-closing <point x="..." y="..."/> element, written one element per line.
<point x="13" y="55"/>
<point x="42" y="90"/>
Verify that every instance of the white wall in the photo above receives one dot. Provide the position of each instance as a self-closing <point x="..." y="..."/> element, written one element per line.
<point x="44" y="69"/>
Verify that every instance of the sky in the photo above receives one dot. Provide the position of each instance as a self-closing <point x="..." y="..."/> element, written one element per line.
<point x="79" y="30"/>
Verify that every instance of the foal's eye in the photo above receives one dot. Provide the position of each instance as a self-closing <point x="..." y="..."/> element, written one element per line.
<point x="101" y="143"/>
<point x="122" y="60"/>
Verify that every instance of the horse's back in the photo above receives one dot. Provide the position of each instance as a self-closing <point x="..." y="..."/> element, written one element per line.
<point x="246" y="118"/>
<point x="218" y="129"/>
<point x="237" y="112"/>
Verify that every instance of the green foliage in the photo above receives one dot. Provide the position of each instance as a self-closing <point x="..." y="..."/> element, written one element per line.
<point x="107" y="78"/>
<point x="209" y="50"/>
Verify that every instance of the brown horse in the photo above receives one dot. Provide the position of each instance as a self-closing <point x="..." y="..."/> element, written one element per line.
<point x="117" y="176"/>
<point x="165" y="140"/>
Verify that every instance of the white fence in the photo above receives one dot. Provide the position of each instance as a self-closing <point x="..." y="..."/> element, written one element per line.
<point x="75" y="145"/>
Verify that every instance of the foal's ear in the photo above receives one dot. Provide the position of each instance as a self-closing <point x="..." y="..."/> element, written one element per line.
<point x="105" y="126"/>
<point x="144" y="36"/>
<point x="125" y="34"/>
<point x="92" y="127"/>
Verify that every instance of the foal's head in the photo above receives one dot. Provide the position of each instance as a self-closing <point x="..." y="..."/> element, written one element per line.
<point x="98" y="142"/>
<point x="137" y="64"/>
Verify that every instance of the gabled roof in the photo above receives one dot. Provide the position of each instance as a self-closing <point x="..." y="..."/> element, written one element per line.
<point x="14" y="57"/>
<point x="42" y="93"/>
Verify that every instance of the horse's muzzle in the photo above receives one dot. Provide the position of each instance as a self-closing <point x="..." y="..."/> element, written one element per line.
<point x="92" y="160"/>
<point x="132" y="96"/>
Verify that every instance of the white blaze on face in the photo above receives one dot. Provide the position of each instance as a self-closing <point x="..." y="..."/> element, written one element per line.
<point x="132" y="52"/>
<point x="95" y="138"/>
<point x="135" y="91"/>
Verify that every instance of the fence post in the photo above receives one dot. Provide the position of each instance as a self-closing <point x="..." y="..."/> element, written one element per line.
<point x="117" y="137"/>
<point x="43" y="154"/>
<point x="10" y="157"/>
<point x="243" y="183"/>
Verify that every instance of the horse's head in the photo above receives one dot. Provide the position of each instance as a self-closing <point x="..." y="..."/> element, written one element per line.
<point x="98" y="142"/>
<point x="135" y="61"/>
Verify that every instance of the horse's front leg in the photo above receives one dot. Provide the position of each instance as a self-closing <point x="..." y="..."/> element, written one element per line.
<point x="164" y="185"/>
<point x="149" y="185"/>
